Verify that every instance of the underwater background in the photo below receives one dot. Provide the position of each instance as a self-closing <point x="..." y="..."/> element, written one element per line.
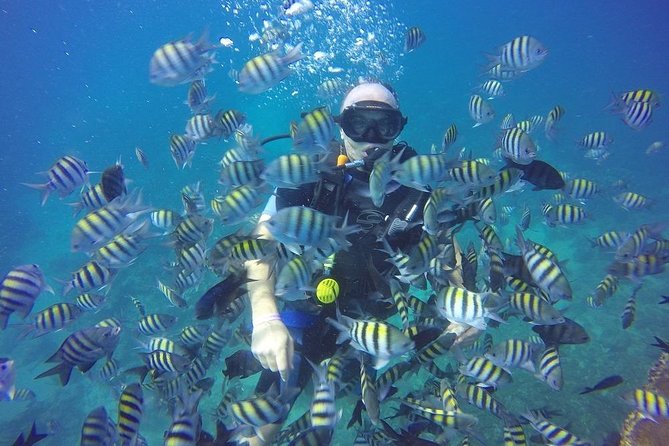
<point x="75" y="81"/>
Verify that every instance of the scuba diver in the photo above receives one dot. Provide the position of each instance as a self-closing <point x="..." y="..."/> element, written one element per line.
<point x="370" y="121"/>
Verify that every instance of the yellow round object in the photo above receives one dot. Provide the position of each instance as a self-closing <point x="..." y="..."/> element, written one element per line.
<point x="327" y="291"/>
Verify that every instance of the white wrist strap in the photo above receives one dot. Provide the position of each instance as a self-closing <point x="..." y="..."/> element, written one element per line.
<point x="267" y="318"/>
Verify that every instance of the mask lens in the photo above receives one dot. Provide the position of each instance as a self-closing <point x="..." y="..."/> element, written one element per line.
<point x="371" y="124"/>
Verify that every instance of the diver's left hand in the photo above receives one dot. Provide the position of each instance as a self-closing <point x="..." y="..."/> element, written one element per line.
<point x="273" y="346"/>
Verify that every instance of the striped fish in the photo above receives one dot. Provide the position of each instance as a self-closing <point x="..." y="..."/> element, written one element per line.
<point x="238" y="204"/>
<point x="293" y="170"/>
<point x="216" y="342"/>
<point x="197" y="98"/>
<point x="414" y="38"/>
<point x="101" y="225"/>
<point x="450" y="136"/>
<point x="181" y="62"/>
<point x="259" y="411"/>
<point x="18" y="291"/>
<point x="90" y="301"/>
<point x="229" y="121"/>
<point x="193" y="229"/>
<point x="330" y="88"/>
<point x="581" y="188"/>
<point x="54" y="318"/>
<point x="239" y="173"/>
<point x="192" y="258"/>
<point x="90" y="198"/>
<point x="640" y="95"/>
<point x="421" y="171"/>
<point x="492" y="88"/>
<point x="523" y="53"/>
<point x="192" y="335"/>
<point x="110" y="322"/>
<point x="65" y="175"/>
<point x="109" y="370"/>
<point x="263" y="72"/>
<point x="610" y="239"/>
<point x="513" y="353"/>
<point x="141" y="157"/>
<point x="506" y="179"/>
<point x="182" y="148"/>
<point x="596" y="140"/>
<point x="526" y="126"/>
<point x="629" y="312"/>
<point x="631" y="201"/>
<point x="91" y="276"/>
<point x="502" y="73"/>
<point x="650" y="405"/>
<point x="638" y="115"/>
<point x="535" y="309"/>
<point x="201" y="127"/>
<point x="514" y="435"/>
<point x="162" y="361"/>
<point x="123" y="249"/>
<point x="465" y="307"/>
<point x="172" y="296"/>
<point x="554" y="116"/>
<point x="552" y="433"/>
<point x="185" y="427"/>
<point x="480" y="110"/>
<point x="564" y="214"/>
<point x="486" y="372"/>
<point x="82" y="349"/>
<point x="508" y="122"/>
<point x="550" y="370"/>
<point x="323" y="411"/>
<point x="472" y="173"/>
<point x="643" y="265"/>
<point x="299" y="225"/>
<point x="545" y="272"/>
<point x="380" y="340"/>
<point x="315" y="131"/>
<point x="518" y="146"/>
<point x="443" y="418"/>
<point x="155" y="323"/>
<point x="130" y="411"/>
<point x="98" y="429"/>
<point x="381" y="176"/>
<point x="165" y="219"/>
<point x="481" y="398"/>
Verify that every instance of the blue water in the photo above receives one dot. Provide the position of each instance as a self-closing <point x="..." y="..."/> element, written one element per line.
<point x="75" y="81"/>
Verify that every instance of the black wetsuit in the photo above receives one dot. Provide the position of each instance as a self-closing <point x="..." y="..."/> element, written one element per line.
<point x="360" y="269"/>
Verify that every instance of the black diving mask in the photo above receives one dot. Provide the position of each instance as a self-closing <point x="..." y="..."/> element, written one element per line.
<point x="371" y="121"/>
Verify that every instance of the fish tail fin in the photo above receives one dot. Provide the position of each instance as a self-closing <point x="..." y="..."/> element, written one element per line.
<point x="63" y="370"/>
<point x="293" y="55"/>
<point x="43" y="188"/>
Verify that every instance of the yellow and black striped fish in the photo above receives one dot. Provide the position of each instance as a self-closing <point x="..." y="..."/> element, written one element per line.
<point x="98" y="429"/>
<point x="130" y="411"/>
<point x="18" y="291"/>
<point x="155" y="323"/>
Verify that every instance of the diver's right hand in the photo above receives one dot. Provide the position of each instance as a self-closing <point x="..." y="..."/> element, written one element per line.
<point x="273" y="346"/>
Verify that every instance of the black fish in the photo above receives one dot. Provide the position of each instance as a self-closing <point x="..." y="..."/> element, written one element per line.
<point x="33" y="438"/>
<point x="113" y="182"/>
<point x="541" y="174"/>
<point x="514" y="265"/>
<point x="568" y="332"/>
<point x="606" y="383"/>
<point x="217" y="299"/>
<point x="241" y="363"/>
<point x="665" y="300"/>
<point x="662" y="345"/>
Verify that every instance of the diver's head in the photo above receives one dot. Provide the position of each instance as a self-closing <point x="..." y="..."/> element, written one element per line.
<point x="370" y="118"/>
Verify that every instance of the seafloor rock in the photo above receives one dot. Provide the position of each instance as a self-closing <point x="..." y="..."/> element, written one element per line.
<point x="641" y="432"/>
